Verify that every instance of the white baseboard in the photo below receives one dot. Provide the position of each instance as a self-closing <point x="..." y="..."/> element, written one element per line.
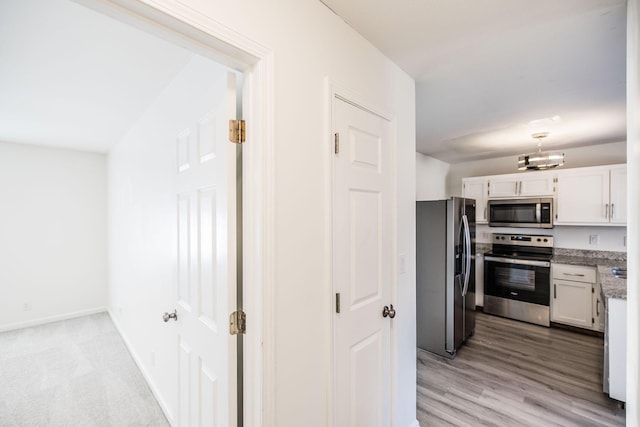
<point x="145" y="374"/>
<point x="50" y="319"/>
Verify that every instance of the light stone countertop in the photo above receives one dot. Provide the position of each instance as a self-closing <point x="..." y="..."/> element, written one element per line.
<point x="612" y="287"/>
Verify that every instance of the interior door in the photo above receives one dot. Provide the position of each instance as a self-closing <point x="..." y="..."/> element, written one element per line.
<point x="362" y="261"/>
<point x="206" y="266"/>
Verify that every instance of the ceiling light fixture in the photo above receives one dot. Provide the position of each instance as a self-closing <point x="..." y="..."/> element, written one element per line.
<point x="542" y="159"/>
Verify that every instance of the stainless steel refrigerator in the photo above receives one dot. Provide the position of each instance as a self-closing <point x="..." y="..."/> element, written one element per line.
<point x="445" y="286"/>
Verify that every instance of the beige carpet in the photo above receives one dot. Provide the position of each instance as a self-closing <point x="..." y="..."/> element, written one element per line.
<point x="76" y="372"/>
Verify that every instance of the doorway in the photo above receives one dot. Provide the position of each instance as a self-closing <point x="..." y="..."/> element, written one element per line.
<point x="132" y="306"/>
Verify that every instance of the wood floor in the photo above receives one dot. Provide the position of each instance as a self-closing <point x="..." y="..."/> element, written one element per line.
<point x="512" y="373"/>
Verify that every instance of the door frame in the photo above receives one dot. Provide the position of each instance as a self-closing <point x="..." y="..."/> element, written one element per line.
<point x="186" y="27"/>
<point x="333" y="91"/>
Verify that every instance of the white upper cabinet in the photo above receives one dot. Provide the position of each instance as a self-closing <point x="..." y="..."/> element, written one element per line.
<point x="533" y="184"/>
<point x="584" y="196"/>
<point x="476" y="188"/>
<point x="618" y="195"/>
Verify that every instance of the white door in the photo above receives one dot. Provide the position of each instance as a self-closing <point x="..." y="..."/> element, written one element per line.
<point x="362" y="261"/>
<point x="206" y="270"/>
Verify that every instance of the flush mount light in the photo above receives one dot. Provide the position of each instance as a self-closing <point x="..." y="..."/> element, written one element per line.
<point x="542" y="159"/>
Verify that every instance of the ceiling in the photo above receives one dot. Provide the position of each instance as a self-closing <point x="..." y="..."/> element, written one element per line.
<point x="490" y="73"/>
<point x="73" y="78"/>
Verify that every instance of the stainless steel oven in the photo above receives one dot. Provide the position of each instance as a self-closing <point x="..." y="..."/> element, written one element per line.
<point x="532" y="213"/>
<point x="517" y="275"/>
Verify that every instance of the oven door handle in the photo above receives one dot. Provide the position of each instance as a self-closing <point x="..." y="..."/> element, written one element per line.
<point x="518" y="261"/>
<point x="467" y="245"/>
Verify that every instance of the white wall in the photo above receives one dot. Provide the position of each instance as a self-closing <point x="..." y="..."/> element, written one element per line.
<point x="633" y="178"/>
<point x="143" y="221"/>
<point x="604" y="154"/>
<point x="569" y="237"/>
<point x="53" y="234"/>
<point x="431" y="178"/>
<point x="310" y="43"/>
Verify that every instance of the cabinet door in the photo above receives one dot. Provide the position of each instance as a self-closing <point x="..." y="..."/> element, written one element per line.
<point x="571" y="303"/>
<point x="618" y="196"/>
<point x="583" y="196"/>
<point x="477" y="189"/>
<point x="536" y="184"/>
<point x="506" y="186"/>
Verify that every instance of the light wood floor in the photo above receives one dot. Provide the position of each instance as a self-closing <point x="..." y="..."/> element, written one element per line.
<point x="512" y="373"/>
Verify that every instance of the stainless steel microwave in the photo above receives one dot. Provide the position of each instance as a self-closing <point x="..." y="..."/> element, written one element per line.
<point x="530" y="213"/>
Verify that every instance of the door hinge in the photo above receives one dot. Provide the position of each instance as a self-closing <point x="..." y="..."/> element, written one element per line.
<point x="237" y="322"/>
<point x="237" y="131"/>
<point x="593" y="320"/>
<point x="593" y="291"/>
<point x="336" y="143"/>
<point x="337" y="302"/>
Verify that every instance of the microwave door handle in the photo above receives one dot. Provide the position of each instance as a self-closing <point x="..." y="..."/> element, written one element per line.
<point x="538" y="212"/>
<point x="467" y="238"/>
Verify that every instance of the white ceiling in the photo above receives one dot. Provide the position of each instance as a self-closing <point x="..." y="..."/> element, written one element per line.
<point x="73" y="78"/>
<point x="489" y="73"/>
<point x="484" y="69"/>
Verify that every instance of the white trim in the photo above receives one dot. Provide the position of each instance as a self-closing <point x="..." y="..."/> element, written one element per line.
<point x="414" y="424"/>
<point x="190" y="28"/>
<point x="154" y="389"/>
<point x="51" y="319"/>
<point x="337" y="91"/>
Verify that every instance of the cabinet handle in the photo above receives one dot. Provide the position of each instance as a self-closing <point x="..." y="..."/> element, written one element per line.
<point x="611" y="216"/>
<point x="598" y="307"/>
<point x="574" y="274"/>
<point x="554" y="291"/>
<point x="606" y="210"/>
<point x="485" y="213"/>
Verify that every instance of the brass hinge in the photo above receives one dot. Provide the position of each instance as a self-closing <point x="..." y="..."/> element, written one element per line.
<point x="336" y="143"/>
<point x="338" y="302"/>
<point x="237" y="131"/>
<point x="237" y="322"/>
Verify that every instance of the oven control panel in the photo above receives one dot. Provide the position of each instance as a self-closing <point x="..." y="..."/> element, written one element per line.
<point x="523" y="240"/>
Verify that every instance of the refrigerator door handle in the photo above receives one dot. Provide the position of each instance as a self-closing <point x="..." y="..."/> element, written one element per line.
<point x="467" y="244"/>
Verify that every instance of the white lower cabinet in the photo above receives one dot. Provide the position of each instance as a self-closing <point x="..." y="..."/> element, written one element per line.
<point x="575" y="297"/>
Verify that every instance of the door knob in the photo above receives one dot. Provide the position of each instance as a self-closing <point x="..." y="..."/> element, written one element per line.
<point x="389" y="311"/>
<point x="167" y="316"/>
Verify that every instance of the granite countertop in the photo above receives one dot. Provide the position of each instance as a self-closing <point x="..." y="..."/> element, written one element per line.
<point x="612" y="287"/>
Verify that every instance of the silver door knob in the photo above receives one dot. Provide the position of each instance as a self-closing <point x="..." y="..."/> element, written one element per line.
<point x="389" y="311"/>
<point x="167" y="316"/>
